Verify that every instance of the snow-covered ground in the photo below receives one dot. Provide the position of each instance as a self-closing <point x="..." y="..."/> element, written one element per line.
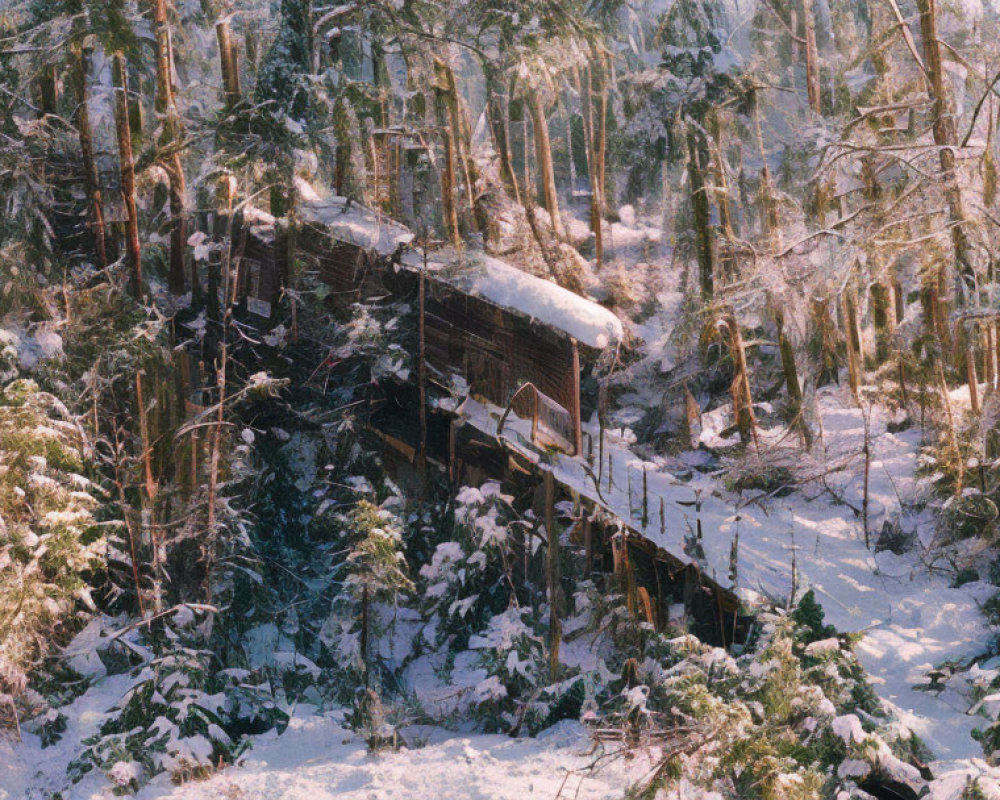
<point x="912" y="620"/>
<point x="317" y="758"/>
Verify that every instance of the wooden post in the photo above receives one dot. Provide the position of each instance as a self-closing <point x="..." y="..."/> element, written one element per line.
<point x="645" y="499"/>
<point x="552" y="575"/>
<point x="600" y="452"/>
<point x="646" y="605"/>
<point x="575" y="410"/>
<point x="124" y="135"/>
<point x="422" y="368"/>
<point x="628" y="489"/>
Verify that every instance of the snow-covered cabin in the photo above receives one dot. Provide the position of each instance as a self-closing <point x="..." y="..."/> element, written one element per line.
<point x="500" y="328"/>
<point x="485" y="320"/>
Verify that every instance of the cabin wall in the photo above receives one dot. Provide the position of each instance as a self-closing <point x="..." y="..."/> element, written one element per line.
<point x="350" y="271"/>
<point x="494" y="349"/>
<point x="497" y="351"/>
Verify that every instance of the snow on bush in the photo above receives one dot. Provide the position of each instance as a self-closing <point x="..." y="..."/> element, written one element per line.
<point x="48" y="535"/>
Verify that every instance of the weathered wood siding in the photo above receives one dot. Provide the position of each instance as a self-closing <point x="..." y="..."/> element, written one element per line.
<point x="495" y="350"/>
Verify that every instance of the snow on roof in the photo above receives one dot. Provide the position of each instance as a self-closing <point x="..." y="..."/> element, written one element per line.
<point x="510" y="288"/>
<point x="351" y="222"/>
<point x="473" y="272"/>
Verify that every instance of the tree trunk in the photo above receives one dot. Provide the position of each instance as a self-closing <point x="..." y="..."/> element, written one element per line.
<point x="945" y="138"/>
<point x="343" y="177"/>
<point x="124" y="135"/>
<point x="768" y="207"/>
<point x="462" y="136"/>
<point x="543" y="157"/>
<point x="229" y="63"/>
<point x="497" y="116"/>
<point x="746" y="421"/>
<point x="880" y="319"/>
<point x="970" y="366"/>
<point x="795" y="404"/>
<point x="91" y="175"/>
<point x="448" y="174"/>
<point x="824" y="342"/>
<point x="700" y="209"/>
<point x="853" y="343"/>
<point x="422" y="371"/>
<point x="812" y="56"/>
<point x="594" y="127"/>
<point x="727" y="264"/>
<point x="988" y="353"/>
<point x="169" y="141"/>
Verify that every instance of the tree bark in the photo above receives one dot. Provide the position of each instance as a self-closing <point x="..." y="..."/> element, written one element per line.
<point x="812" y="56"/>
<point x="945" y="138"/>
<point x="970" y="367"/>
<point x="853" y="343"/>
<point x="497" y="116"/>
<point x="169" y="141"/>
<point x="796" y="406"/>
<point x="880" y="319"/>
<point x="127" y="176"/>
<point x="746" y="421"/>
<point x="91" y="175"/>
<point x="448" y="174"/>
<point x="543" y="157"/>
<point x="229" y="63"/>
<point x="700" y="209"/>
<point x="462" y="136"/>
<point x="594" y="127"/>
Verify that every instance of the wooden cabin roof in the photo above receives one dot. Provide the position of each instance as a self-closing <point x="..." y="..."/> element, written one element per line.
<point x="475" y="273"/>
<point x="351" y="222"/>
<point x="470" y="272"/>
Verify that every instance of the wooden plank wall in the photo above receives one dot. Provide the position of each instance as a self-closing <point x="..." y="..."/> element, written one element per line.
<point x="497" y="351"/>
